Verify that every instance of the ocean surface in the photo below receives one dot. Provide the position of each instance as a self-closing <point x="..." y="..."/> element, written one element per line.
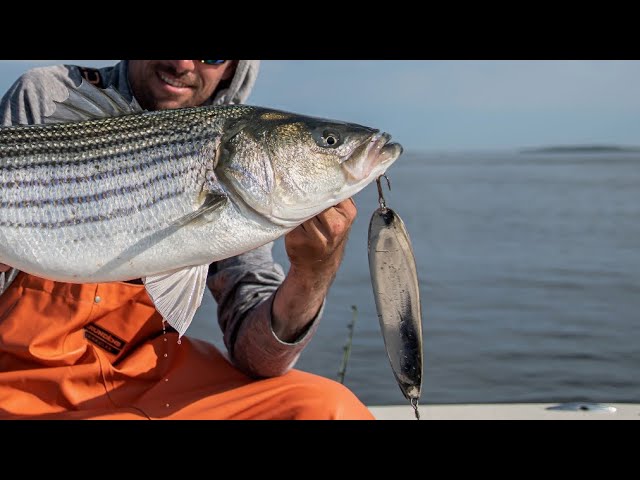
<point x="529" y="269"/>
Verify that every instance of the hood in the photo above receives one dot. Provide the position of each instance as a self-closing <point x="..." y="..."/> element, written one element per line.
<point x="240" y="86"/>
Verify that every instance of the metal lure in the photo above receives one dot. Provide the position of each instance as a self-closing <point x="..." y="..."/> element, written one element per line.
<point x="397" y="296"/>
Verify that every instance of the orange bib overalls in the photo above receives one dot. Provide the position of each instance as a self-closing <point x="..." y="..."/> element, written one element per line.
<point x="98" y="351"/>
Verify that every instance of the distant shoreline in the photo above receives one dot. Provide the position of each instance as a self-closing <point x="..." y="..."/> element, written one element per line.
<point x="582" y="149"/>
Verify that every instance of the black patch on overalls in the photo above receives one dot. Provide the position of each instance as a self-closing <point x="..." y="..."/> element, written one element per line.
<point x="92" y="75"/>
<point x="104" y="339"/>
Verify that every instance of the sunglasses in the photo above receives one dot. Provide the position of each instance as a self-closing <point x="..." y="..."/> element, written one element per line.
<point x="213" y="62"/>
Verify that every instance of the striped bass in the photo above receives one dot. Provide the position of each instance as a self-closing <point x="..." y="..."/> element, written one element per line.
<point x="104" y="191"/>
<point x="396" y="292"/>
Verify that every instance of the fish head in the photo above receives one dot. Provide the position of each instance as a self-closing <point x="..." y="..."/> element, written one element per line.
<point x="289" y="167"/>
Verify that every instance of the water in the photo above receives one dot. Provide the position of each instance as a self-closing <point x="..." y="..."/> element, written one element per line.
<point x="529" y="267"/>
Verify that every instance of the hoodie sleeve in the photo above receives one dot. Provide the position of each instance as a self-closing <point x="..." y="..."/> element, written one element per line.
<point x="32" y="96"/>
<point x="244" y="288"/>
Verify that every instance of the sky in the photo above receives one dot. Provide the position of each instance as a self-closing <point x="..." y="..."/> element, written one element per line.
<point x="451" y="105"/>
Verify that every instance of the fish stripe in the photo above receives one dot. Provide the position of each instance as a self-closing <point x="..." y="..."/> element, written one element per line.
<point x="97" y="196"/>
<point x="116" y="213"/>
<point x="155" y="159"/>
<point x="19" y="144"/>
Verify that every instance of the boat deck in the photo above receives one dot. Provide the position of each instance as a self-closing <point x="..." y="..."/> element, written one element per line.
<point x="515" y="411"/>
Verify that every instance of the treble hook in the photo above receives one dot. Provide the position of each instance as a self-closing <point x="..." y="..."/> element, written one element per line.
<point x="381" y="201"/>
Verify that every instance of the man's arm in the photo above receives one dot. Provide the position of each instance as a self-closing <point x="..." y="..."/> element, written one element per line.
<point x="268" y="319"/>
<point x="315" y="251"/>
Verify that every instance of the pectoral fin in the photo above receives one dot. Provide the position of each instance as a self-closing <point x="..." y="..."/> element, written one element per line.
<point x="212" y="202"/>
<point x="178" y="294"/>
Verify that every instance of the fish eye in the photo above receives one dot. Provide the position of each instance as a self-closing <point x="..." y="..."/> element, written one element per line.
<point x="330" y="138"/>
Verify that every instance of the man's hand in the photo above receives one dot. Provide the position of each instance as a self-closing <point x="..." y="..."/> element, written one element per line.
<point x="315" y="251"/>
<point x="4" y="268"/>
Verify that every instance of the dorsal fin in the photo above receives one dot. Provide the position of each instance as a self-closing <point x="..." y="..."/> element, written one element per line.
<point x="88" y="102"/>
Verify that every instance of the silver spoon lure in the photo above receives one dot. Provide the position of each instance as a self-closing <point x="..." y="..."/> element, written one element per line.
<point x="397" y="296"/>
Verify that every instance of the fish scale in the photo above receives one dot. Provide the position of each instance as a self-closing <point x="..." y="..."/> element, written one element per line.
<point x="97" y="183"/>
<point x="92" y="152"/>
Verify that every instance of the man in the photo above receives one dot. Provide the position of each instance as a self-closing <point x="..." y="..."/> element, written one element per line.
<point x="102" y="351"/>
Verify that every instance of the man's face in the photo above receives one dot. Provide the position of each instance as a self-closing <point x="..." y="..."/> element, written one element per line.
<point x="162" y="84"/>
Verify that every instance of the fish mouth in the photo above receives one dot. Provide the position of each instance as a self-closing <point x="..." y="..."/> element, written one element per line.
<point x="372" y="158"/>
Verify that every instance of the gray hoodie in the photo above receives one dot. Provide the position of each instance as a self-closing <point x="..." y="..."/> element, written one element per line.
<point x="243" y="286"/>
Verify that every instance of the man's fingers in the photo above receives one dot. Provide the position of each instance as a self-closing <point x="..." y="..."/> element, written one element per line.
<point x="315" y="228"/>
<point x="329" y="227"/>
<point x="338" y="219"/>
<point x="348" y="209"/>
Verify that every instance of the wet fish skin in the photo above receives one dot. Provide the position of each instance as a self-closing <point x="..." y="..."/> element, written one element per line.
<point x="104" y="191"/>
<point x="397" y="296"/>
